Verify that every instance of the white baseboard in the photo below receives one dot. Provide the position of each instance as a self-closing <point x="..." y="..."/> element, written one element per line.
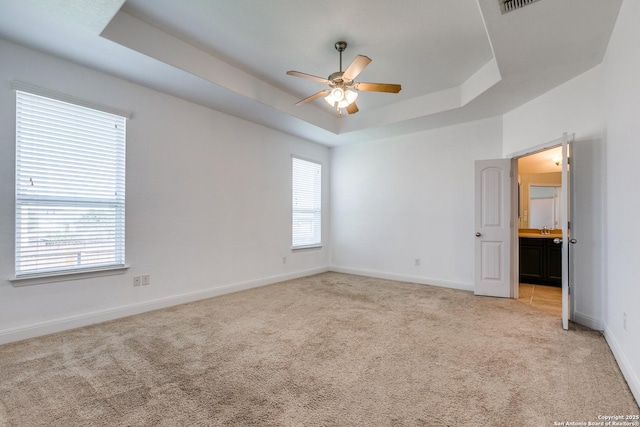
<point x="588" y="321"/>
<point x="72" y="322"/>
<point x="627" y="369"/>
<point x="465" y="286"/>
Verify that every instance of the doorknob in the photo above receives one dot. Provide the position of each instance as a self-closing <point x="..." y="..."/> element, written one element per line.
<point x="573" y="241"/>
<point x="557" y="241"/>
<point x="478" y="234"/>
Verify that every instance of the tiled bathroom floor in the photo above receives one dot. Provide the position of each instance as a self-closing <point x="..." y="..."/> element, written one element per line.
<point x="544" y="298"/>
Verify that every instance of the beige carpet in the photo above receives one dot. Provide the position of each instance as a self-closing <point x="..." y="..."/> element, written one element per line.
<point x="328" y="350"/>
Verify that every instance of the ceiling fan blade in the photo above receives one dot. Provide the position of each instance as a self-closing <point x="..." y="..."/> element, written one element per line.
<point x="356" y="67"/>
<point x="378" y="87"/>
<point x="313" y="97"/>
<point x="308" y="76"/>
<point x="352" y="108"/>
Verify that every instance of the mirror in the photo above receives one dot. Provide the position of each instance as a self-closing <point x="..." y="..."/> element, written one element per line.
<point x="542" y="173"/>
<point x="544" y="206"/>
<point x="543" y="211"/>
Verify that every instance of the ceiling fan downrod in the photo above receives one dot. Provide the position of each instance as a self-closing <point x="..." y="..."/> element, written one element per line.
<point x="340" y="47"/>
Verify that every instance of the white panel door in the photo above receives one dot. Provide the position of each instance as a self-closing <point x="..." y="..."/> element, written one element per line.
<point x="493" y="228"/>
<point x="564" y="225"/>
<point x="586" y="219"/>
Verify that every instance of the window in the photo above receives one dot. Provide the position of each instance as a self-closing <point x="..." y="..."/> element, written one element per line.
<point x="307" y="212"/>
<point x="70" y="182"/>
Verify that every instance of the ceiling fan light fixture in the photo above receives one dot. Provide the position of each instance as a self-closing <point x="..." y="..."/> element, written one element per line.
<point x="341" y="97"/>
<point x="350" y="97"/>
<point x="338" y="94"/>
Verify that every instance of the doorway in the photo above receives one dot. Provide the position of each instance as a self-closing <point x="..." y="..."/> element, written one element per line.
<point x="539" y="257"/>
<point x="496" y="255"/>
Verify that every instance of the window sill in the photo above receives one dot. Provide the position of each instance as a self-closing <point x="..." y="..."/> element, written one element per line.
<point x="63" y="276"/>
<point x="302" y="248"/>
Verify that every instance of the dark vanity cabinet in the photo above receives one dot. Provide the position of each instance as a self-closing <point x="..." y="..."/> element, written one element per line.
<point x="540" y="261"/>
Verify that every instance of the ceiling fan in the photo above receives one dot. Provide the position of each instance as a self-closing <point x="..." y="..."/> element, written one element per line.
<point x="341" y="92"/>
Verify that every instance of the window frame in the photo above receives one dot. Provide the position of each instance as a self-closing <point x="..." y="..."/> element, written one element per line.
<point x="60" y="273"/>
<point x="316" y="210"/>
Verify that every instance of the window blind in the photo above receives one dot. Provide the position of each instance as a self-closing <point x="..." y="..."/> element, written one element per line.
<point x="307" y="208"/>
<point x="70" y="186"/>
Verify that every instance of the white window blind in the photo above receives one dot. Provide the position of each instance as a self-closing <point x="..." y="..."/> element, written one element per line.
<point x="307" y="212"/>
<point x="70" y="186"/>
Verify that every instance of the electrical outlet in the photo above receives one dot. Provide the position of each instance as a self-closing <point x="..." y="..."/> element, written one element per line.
<point x="136" y="280"/>
<point x="417" y="262"/>
<point x="624" y="321"/>
<point x="146" y="279"/>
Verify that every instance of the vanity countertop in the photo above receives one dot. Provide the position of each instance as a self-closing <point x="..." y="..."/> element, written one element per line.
<point x="535" y="233"/>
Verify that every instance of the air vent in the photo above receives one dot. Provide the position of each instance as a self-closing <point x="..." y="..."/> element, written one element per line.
<point x="511" y="5"/>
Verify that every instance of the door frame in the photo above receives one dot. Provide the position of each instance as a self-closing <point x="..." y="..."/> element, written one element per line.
<point x="515" y="250"/>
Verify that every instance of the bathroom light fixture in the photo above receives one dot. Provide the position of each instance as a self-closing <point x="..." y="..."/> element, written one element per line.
<point x="557" y="160"/>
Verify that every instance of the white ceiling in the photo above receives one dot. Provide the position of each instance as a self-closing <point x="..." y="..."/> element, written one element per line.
<point x="541" y="162"/>
<point x="456" y="60"/>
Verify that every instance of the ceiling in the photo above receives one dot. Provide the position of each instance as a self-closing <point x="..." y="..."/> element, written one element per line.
<point x="541" y="162"/>
<point x="456" y="60"/>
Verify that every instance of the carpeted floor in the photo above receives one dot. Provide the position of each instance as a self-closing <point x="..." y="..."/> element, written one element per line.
<point x="327" y="350"/>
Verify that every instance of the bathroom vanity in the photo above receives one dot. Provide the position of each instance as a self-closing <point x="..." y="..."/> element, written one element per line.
<point x="540" y="258"/>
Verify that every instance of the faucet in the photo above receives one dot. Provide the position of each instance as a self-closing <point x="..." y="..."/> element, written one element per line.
<point x="545" y="230"/>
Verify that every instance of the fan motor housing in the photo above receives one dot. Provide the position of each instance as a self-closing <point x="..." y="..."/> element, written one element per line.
<point x="336" y="79"/>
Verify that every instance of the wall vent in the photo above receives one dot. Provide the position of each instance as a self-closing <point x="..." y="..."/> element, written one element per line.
<point x="511" y="5"/>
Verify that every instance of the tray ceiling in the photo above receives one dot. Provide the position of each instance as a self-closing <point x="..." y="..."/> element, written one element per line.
<point x="456" y="60"/>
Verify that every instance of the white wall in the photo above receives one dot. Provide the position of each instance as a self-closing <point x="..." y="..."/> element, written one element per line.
<point x="208" y="203"/>
<point x="622" y="89"/>
<point x="602" y="107"/>
<point x="575" y="106"/>
<point x="410" y="197"/>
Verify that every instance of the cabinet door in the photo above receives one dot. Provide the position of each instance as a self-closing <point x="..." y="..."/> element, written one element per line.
<point x="554" y="263"/>
<point x="532" y="260"/>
